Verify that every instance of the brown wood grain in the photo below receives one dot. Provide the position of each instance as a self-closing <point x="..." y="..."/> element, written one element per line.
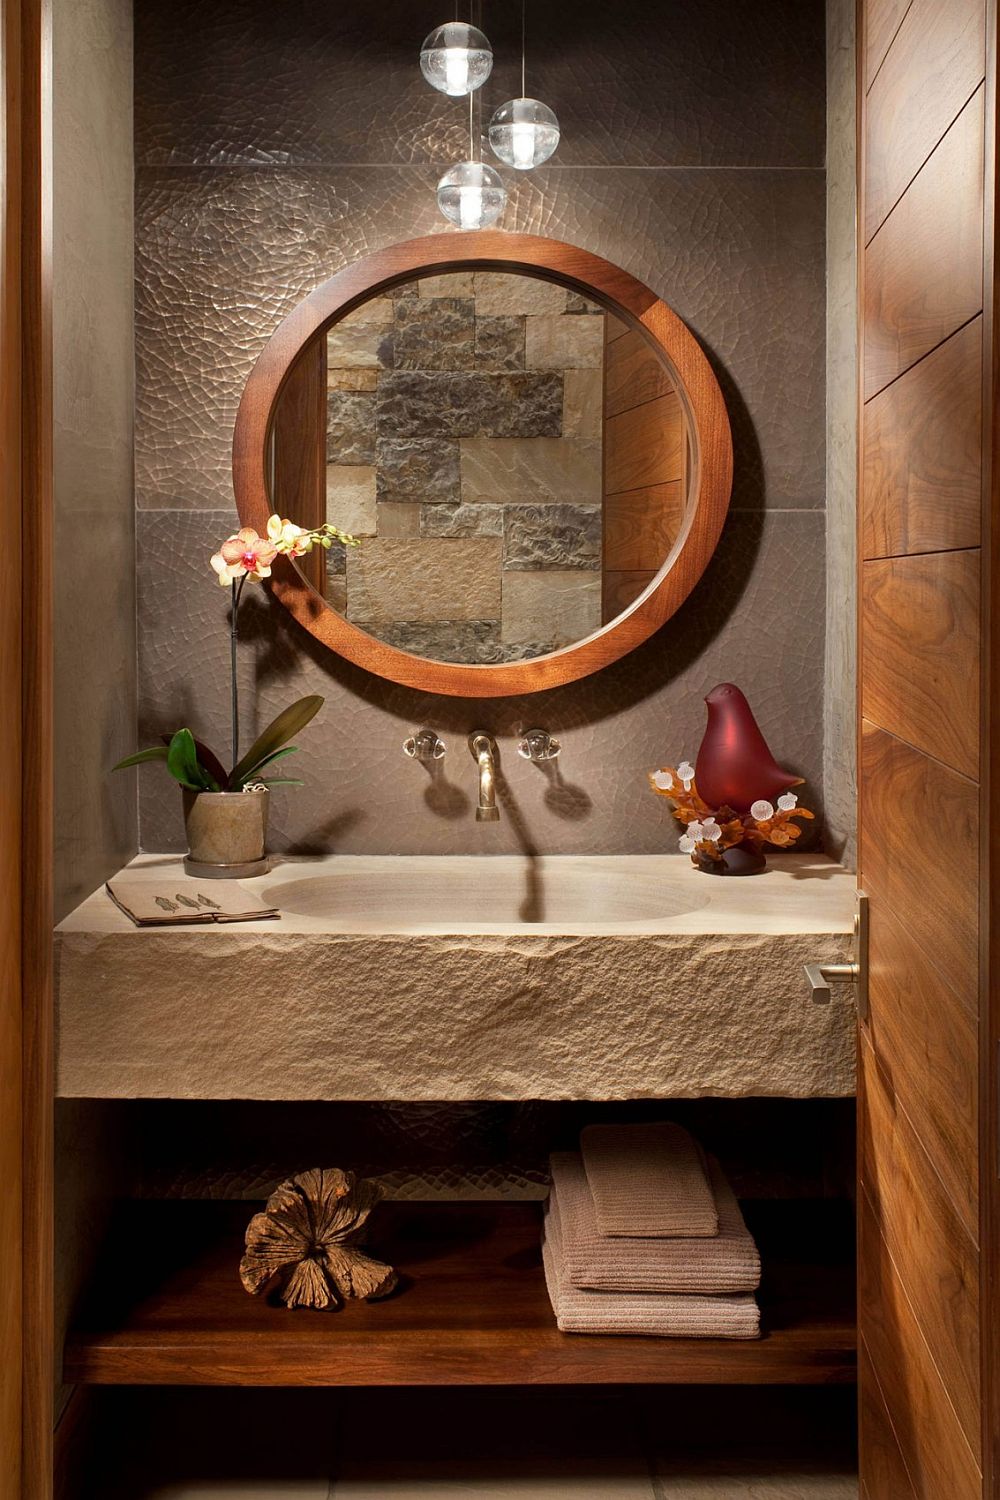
<point x="36" y="732"/>
<point x="621" y="590"/>
<point x="935" y="1450"/>
<point x="922" y="445"/>
<point x="11" y="1202"/>
<point x="920" y="652"/>
<point x="923" y="274"/>
<point x="927" y="1040"/>
<point x="615" y="289"/>
<point x="907" y="801"/>
<point x="644" y="446"/>
<point x="472" y="1309"/>
<point x="936" y="1259"/>
<point x="298" y="436"/>
<point x="882" y="21"/>
<point x="634" y="373"/>
<point x="883" y="1470"/>
<point x="936" y="62"/>
<point x="641" y="526"/>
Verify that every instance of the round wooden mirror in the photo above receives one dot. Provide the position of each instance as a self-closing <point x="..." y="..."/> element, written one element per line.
<point x="530" y="446"/>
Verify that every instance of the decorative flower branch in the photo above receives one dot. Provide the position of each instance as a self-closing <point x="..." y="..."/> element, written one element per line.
<point x="245" y="556"/>
<point x="709" y="832"/>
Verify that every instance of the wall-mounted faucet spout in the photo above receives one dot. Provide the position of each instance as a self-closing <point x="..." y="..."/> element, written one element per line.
<point x="484" y="752"/>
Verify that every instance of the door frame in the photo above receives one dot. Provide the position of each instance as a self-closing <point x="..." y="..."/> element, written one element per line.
<point x="26" y="1016"/>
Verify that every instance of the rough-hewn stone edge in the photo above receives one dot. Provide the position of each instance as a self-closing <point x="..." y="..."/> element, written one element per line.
<point x="318" y="1016"/>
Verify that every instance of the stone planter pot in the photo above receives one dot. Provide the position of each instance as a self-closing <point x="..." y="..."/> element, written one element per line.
<point x="226" y="834"/>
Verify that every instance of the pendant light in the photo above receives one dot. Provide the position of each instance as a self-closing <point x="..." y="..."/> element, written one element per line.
<point x="456" y="59"/>
<point x="524" y="132"/>
<point x="471" y="194"/>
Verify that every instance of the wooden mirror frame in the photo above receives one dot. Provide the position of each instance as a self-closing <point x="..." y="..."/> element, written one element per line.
<point x="620" y="293"/>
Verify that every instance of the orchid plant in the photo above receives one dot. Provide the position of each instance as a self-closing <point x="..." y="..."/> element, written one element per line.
<point x="245" y="557"/>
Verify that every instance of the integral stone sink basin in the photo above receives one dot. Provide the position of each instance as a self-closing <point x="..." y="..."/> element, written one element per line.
<point x="459" y="978"/>
<point x="454" y="893"/>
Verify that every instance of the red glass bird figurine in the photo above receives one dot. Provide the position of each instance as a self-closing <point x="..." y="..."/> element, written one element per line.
<point x="734" y="766"/>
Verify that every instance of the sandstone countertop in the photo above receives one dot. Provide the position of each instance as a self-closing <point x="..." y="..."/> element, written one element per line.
<point x="598" y="977"/>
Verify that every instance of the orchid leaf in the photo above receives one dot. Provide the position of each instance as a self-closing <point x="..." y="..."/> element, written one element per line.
<point x="182" y="763"/>
<point x="209" y="760"/>
<point x="277" y="733"/>
<point x="155" y="752"/>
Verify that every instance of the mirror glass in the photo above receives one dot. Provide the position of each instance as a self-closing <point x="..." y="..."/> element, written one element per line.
<point x="513" y="457"/>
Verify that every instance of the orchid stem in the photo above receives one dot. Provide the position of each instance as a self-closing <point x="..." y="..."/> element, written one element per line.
<point x="233" y="636"/>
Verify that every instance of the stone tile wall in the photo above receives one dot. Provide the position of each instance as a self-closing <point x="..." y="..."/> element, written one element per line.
<point x="276" y="144"/>
<point x="462" y="416"/>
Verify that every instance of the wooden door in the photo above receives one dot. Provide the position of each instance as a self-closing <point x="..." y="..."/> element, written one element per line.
<point x="926" y="1113"/>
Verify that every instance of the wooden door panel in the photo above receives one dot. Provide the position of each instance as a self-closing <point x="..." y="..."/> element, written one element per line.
<point x="644" y="446"/>
<point x="920" y="645"/>
<point x="936" y="1260"/>
<point x="882" y="21"/>
<point x="926" y="1205"/>
<point x="633" y="374"/>
<point x="936" y="62"/>
<point x="923" y="274"/>
<point x="640" y="527"/>
<point x="927" y="1040"/>
<point x="884" y="1470"/>
<point x="922" y="446"/>
<point x="937" y="1455"/>
<point x="908" y="800"/>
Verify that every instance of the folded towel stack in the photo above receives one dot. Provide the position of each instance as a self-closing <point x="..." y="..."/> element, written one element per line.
<point x="643" y="1235"/>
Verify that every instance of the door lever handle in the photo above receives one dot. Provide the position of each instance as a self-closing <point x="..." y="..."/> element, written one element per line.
<point x="821" y="976"/>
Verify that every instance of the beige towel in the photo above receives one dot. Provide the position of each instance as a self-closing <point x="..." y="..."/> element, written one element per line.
<point x="655" y="1313"/>
<point x="726" y="1262"/>
<point x="648" y="1181"/>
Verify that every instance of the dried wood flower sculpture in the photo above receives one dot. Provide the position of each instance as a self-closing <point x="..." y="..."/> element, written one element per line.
<point x="303" y="1240"/>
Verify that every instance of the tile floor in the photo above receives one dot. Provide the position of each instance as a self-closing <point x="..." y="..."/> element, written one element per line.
<point x="707" y="1444"/>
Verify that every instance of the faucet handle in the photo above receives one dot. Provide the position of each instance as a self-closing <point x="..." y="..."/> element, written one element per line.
<point x="538" y="745"/>
<point x="424" y="746"/>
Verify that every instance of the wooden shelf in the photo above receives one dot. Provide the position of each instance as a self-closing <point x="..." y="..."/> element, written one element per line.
<point x="472" y="1308"/>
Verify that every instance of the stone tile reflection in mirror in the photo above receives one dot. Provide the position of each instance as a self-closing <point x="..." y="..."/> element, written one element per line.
<point x="512" y="456"/>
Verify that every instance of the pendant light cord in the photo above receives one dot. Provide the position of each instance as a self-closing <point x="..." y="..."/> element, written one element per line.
<point x="523" y="92"/>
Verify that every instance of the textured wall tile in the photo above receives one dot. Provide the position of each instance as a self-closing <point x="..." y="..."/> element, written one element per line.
<point x="515" y="471"/>
<point x="632" y="83"/>
<point x="551" y="536"/>
<point x="434" y="404"/>
<point x="334" y="146"/>
<point x="755" y="619"/>
<point x="222" y="256"/>
<point x="392" y="579"/>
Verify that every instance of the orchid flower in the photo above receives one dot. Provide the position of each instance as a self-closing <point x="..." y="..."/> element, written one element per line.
<point x="245" y="555"/>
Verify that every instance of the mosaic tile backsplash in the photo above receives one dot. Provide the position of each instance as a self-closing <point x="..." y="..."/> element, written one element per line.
<point x="276" y="144"/>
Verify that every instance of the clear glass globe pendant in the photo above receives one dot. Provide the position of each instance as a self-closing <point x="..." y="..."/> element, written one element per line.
<point x="523" y="133"/>
<point x="471" y="195"/>
<point x="456" y="59"/>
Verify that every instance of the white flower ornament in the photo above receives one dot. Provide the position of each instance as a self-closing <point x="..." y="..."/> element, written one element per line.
<point x="788" y="801"/>
<point x="760" y="811"/>
<point x="686" y="772"/>
<point x="662" y="780"/>
<point x="710" y="831"/>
